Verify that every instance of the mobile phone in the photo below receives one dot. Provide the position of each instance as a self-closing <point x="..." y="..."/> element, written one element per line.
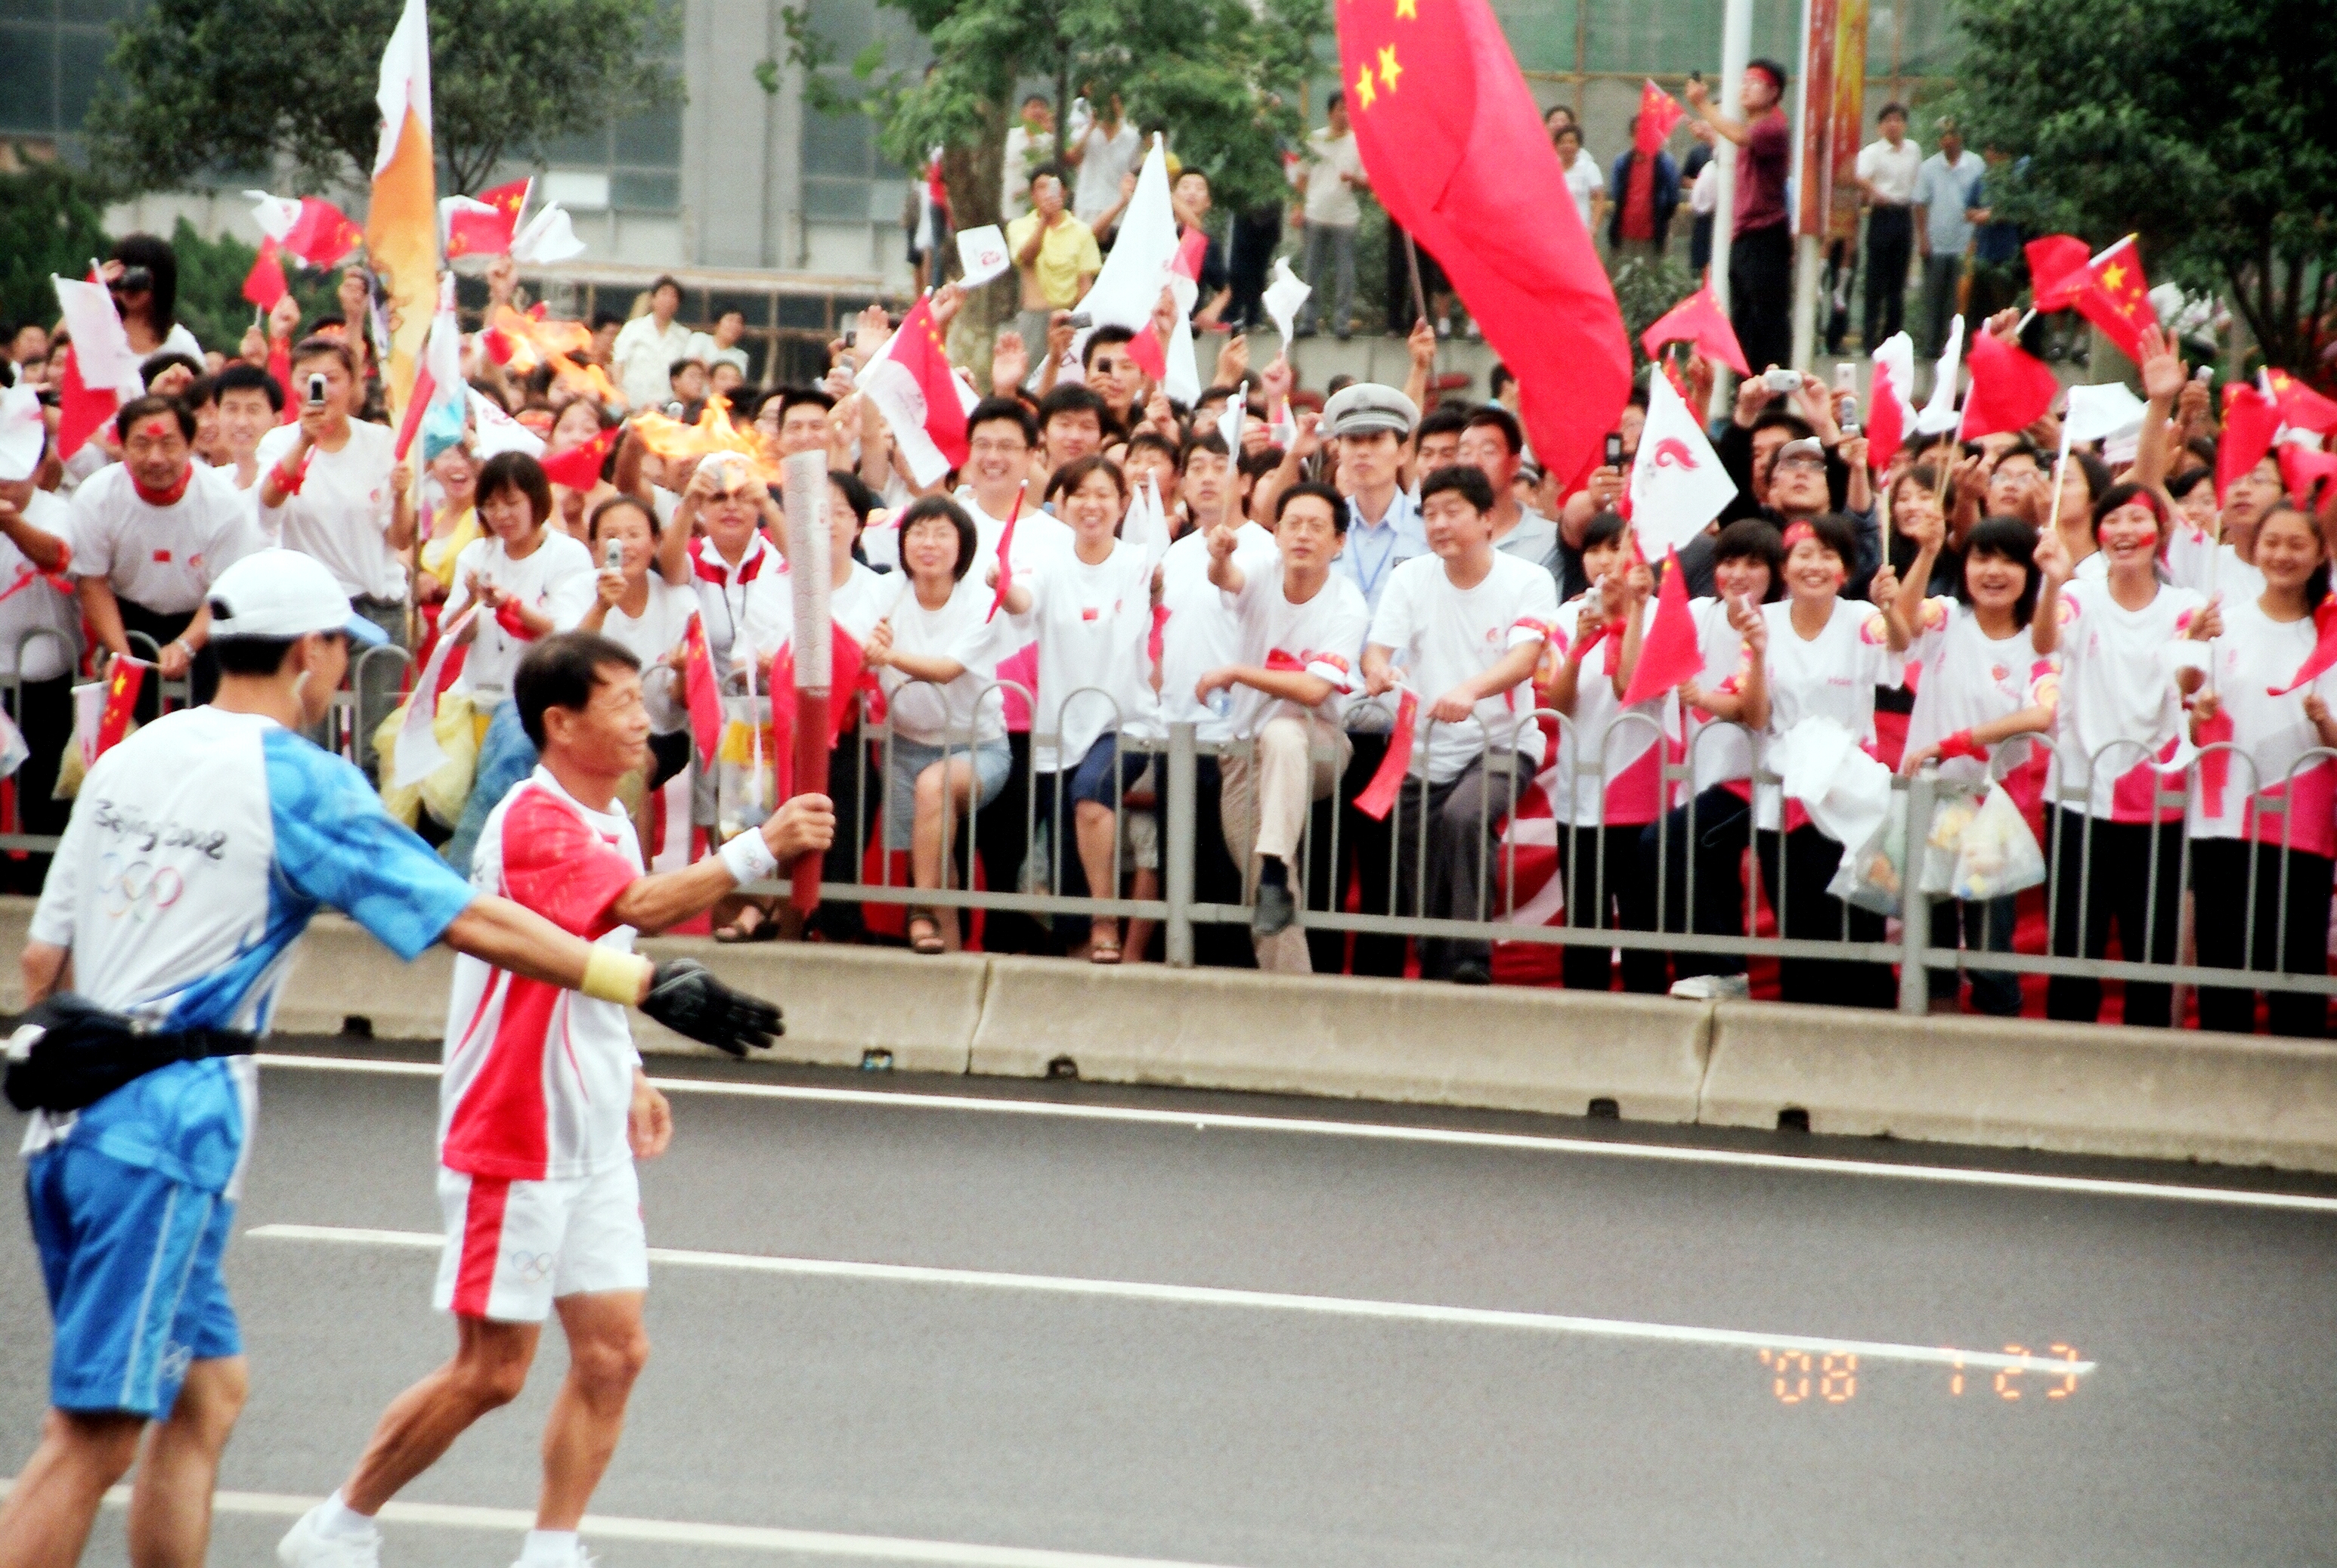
<point x="1782" y="380"/>
<point x="1848" y="429"/>
<point x="1614" y="449"/>
<point x="2205" y="373"/>
<point x="1845" y="378"/>
<point x="1080" y="321"/>
<point x="317" y="389"/>
<point x="613" y="555"/>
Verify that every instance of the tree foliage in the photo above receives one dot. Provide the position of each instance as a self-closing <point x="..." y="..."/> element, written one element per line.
<point x="50" y="222"/>
<point x="212" y="84"/>
<point x="2203" y="125"/>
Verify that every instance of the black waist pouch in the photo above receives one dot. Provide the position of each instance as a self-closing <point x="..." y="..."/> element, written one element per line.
<point x="68" y="1052"/>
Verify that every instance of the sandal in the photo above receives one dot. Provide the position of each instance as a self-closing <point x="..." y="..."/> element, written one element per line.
<point x="1103" y="943"/>
<point x="764" y="929"/>
<point x="928" y="940"/>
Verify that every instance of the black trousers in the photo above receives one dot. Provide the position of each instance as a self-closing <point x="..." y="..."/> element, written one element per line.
<point x="1796" y="868"/>
<point x="2125" y="887"/>
<point x="45" y="712"/>
<point x="1400" y="313"/>
<point x="166" y="630"/>
<point x="1761" y="294"/>
<point x="1363" y="850"/>
<point x="1257" y="235"/>
<point x="2291" y="940"/>
<point x="1605" y="889"/>
<point x="1715" y="906"/>
<point x="1002" y="836"/>
<point x="1217" y="879"/>
<point x="1460" y="876"/>
<point x="855" y="785"/>
<point x="1890" y="242"/>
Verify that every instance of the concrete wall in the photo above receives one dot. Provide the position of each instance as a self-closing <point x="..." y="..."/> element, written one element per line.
<point x="2229" y="1098"/>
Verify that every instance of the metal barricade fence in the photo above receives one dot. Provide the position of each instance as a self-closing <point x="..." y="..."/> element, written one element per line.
<point x="1581" y="856"/>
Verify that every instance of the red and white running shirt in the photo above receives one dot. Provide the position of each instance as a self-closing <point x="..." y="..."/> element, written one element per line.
<point x="2119" y="703"/>
<point x="539" y="1080"/>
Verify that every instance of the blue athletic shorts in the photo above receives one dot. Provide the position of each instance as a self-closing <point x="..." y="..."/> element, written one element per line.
<point x="131" y="1262"/>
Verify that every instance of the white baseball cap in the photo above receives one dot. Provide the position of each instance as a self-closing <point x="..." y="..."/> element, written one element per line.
<point x="284" y="594"/>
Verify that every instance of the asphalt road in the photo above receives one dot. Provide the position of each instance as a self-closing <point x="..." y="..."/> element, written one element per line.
<point x="1596" y="1361"/>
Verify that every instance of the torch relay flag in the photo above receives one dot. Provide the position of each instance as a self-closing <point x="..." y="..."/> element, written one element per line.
<point x="1891" y="399"/>
<point x="1938" y="415"/>
<point x="101" y="368"/>
<point x="549" y="237"/>
<point x="402" y="225"/>
<point x="1677" y="484"/>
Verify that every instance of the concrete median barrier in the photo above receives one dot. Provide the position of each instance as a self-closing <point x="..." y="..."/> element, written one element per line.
<point x="844" y="1003"/>
<point x="2089" y="1089"/>
<point x="1398" y="1040"/>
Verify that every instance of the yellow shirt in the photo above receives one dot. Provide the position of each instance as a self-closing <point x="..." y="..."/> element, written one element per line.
<point x="1067" y="253"/>
<point x="449" y="537"/>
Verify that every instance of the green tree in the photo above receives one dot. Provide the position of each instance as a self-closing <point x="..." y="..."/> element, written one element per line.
<point x="50" y="222"/>
<point x="211" y="287"/>
<point x="2202" y="125"/>
<point x="208" y="84"/>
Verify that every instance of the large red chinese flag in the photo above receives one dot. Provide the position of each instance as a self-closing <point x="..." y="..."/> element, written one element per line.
<point x="1455" y="149"/>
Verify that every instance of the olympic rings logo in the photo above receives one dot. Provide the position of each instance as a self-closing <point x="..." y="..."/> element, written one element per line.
<point x="141" y="889"/>
<point x="531" y="1268"/>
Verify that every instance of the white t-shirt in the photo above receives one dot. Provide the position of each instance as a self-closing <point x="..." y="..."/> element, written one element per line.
<point x="341" y="516"/>
<point x="749" y="601"/>
<point x="1330" y="199"/>
<point x="30" y="602"/>
<point x="1102" y="161"/>
<point x="2196" y="561"/>
<point x="1608" y="749"/>
<point x="1971" y="679"/>
<point x="663" y="624"/>
<point x="1724" y="753"/>
<point x="1024" y="154"/>
<point x="2255" y="655"/>
<point x="1038" y="536"/>
<point x="644" y="356"/>
<point x="1892" y="170"/>
<point x="1831" y="675"/>
<point x="854" y="606"/>
<point x="704" y="349"/>
<point x="1093" y="626"/>
<point x="2117" y="690"/>
<point x="162" y="558"/>
<point x="555" y="579"/>
<point x="962" y="630"/>
<point x="1584" y="180"/>
<point x="539" y="1081"/>
<point x="1319" y="638"/>
<point x="1444" y="634"/>
<point x="1201" y="633"/>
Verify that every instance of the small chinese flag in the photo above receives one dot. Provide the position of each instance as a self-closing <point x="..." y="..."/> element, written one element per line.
<point x="704" y="693"/>
<point x="1659" y="112"/>
<point x="579" y="468"/>
<point x="2299" y="405"/>
<point x="264" y="284"/>
<point x="122" y="689"/>
<point x="2109" y="289"/>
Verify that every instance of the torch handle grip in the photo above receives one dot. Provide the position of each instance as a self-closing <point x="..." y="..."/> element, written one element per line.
<point x="811" y="778"/>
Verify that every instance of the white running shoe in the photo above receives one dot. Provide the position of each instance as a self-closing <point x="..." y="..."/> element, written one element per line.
<point x="306" y="1547"/>
<point x="1713" y="989"/>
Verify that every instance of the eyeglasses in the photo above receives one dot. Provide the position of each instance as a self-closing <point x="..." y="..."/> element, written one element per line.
<point x="1813" y="464"/>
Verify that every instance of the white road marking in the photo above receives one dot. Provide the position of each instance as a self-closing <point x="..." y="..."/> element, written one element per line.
<point x="598" y="1527"/>
<point x="1267" y="1301"/>
<point x="1946" y="1175"/>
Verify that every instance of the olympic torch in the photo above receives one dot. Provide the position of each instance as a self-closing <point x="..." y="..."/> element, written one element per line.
<point x="805" y="489"/>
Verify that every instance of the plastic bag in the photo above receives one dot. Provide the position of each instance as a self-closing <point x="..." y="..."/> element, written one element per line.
<point x="1997" y="854"/>
<point x="1872" y="875"/>
<point x="444" y="788"/>
<point x="746" y="766"/>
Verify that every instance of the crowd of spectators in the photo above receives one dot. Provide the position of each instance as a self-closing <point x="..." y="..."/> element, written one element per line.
<point x="1288" y="574"/>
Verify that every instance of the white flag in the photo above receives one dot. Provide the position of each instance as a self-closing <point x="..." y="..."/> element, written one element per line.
<point x="548" y="237"/>
<point x="1938" y="415"/>
<point x="417" y="752"/>
<point x="2099" y="411"/>
<point x="1138" y="268"/>
<point x="1677" y="483"/>
<point x="101" y="350"/>
<point x="495" y="431"/>
<point x="1283" y="298"/>
<point x="981" y="254"/>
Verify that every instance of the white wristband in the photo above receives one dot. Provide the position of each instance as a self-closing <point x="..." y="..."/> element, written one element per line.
<point x="748" y="858"/>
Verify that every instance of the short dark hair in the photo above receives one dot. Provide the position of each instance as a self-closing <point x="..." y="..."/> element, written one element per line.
<point x="137" y="408"/>
<point x="1013" y="411"/>
<point x="314" y="348"/>
<point x="684" y="363"/>
<point x="604" y="319"/>
<point x="1320" y="491"/>
<point x="1445" y="418"/>
<point x="1888" y="110"/>
<point x="1775" y="72"/>
<point x="1215" y="441"/>
<point x="666" y="280"/>
<point x="1054" y="172"/>
<point x="1755" y="538"/>
<point x="562" y="671"/>
<point x="1337" y="100"/>
<point x="616" y="502"/>
<point x="1782" y="419"/>
<point x="2021" y="447"/>
<point x="1834" y="531"/>
<point x="1604" y="528"/>
<point x="1502" y="420"/>
<point x="260" y="656"/>
<point x="1103" y="337"/>
<point x="516" y="470"/>
<point x="1072" y="398"/>
<point x="202" y="390"/>
<point x="1500" y="376"/>
<point x="1071" y="475"/>
<point x="1153" y="440"/>
<point x="969" y="538"/>
<point x="796" y="396"/>
<point x="1465" y="479"/>
<point x="154" y="364"/>
<point x="242" y="375"/>
<point x="2013" y="541"/>
<point x="857" y="495"/>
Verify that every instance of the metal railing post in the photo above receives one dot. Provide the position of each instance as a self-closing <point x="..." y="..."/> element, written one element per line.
<point x="1178" y="851"/>
<point x="1914" y="903"/>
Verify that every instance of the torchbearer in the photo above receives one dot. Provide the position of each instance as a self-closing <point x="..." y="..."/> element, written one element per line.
<point x="544" y="1108"/>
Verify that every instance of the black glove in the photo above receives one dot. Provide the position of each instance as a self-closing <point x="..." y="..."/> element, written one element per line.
<point x="685" y="997"/>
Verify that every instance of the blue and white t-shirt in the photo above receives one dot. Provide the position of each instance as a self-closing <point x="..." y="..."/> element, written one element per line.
<point x="198" y="850"/>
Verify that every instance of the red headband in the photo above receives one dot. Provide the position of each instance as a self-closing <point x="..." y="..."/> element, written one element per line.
<point x="1797" y="531"/>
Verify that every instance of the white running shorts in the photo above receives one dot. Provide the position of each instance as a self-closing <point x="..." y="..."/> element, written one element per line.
<point x="514" y="1248"/>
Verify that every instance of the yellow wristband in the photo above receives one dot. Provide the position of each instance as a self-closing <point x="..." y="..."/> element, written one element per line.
<point x="613" y="977"/>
